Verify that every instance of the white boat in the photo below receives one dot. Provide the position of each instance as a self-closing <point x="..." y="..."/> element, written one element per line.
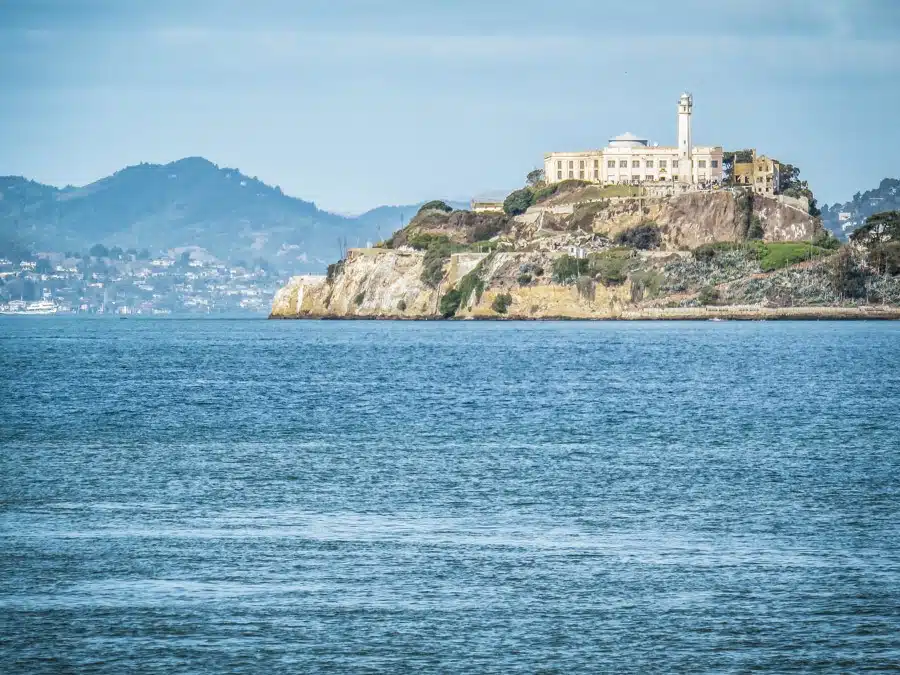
<point x="19" y="307"/>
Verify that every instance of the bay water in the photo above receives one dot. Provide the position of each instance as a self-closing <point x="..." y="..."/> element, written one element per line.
<point x="212" y="496"/>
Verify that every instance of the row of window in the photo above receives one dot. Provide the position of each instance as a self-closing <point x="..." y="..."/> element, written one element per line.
<point x="635" y="178"/>
<point x="635" y="164"/>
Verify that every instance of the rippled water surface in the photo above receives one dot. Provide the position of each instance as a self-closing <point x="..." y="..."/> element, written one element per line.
<point x="252" y="496"/>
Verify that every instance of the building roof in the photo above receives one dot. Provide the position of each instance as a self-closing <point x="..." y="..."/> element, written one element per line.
<point x="627" y="140"/>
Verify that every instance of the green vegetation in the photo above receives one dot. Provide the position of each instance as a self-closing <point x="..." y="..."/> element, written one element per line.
<point x="826" y="239"/>
<point x="644" y="236"/>
<point x="755" y="230"/>
<point x="707" y="252"/>
<point x="548" y="191"/>
<point x="524" y="279"/>
<point x="566" y="269"/>
<point x="880" y="236"/>
<point x="777" y="254"/>
<point x="334" y="269"/>
<point x="610" y="267"/>
<point x="449" y="304"/>
<point x="436" y="204"/>
<point x="501" y="303"/>
<point x="535" y="179"/>
<point x="469" y="284"/>
<point x="422" y="241"/>
<point x="709" y="295"/>
<point x="743" y="213"/>
<point x="358" y="300"/>
<point x="847" y="278"/>
<point x="646" y="284"/>
<point x="772" y="256"/>
<point x="518" y="201"/>
<point x="401" y="305"/>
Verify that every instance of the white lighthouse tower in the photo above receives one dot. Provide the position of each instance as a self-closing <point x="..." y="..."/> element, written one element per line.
<point x="685" y="142"/>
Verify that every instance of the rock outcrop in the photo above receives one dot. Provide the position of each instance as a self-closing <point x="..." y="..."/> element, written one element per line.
<point x="562" y="261"/>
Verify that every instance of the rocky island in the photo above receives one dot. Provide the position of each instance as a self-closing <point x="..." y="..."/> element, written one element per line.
<point x="583" y="251"/>
<point x="631" y="231"/>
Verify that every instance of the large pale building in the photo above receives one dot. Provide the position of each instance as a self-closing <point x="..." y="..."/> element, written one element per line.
<point x="629" y="159"/>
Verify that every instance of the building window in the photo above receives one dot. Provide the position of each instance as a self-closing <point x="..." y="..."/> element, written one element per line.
<point x="559" y="175"/>
<point x="558" y="165"/>
<point x="759" y="179"/>
<point x="623" y="163"/>
<point x="635" y="164"/>
<point x="662" y="164"/>
<point x="581" y="174"/>
<point x="571" y="174"/>
<point x="701" y="164"/>
<point x="714" y="164"/>
<point x="649" y="163"/>
<point x="636" y="178"/>
<point x="571" y="164"/>
<point x="648" y="178"/>
<point x="611" y="164"/>
<point x="596" y="163"/>
<point x="674" y="176"/>
<point x="674" y="163"/>
<point x="581" y="164"/>
<point x="596" y="174"/>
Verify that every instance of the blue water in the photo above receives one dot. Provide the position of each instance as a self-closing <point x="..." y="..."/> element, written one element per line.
<point x="258" y="497"/>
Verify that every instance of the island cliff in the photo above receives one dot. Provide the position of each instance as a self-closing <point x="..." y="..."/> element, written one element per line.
<point x="586" y="253"/>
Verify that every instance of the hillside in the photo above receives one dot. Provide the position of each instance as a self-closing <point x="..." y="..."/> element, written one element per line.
<point x="693" y="255"/>
<point x="844" y="218"/>
<point x="190" y="202"/>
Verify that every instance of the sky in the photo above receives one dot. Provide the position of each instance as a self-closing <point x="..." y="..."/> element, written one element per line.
<point x="358" y="103"/>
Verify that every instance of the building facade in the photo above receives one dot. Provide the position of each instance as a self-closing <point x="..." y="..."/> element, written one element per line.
<point x="629" y="159"/>
<point x="760" y="173"/>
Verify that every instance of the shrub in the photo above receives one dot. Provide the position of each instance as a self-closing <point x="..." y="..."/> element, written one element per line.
<point x="524" y="279"/>
<point x="706" y="252"/>
<point x="358" y="300"/>
<point x="501" y="303"/>
<point x="449" y="303"/>
<point x="826" y="239"/>
<point x="885" y="258"/>
<point x="437" y="205"/>
<point x="334" y="269"/>
<point x="422" y="241"/>
<point x="401" y="305"/>
<point x="471" y="283"/>
<point x="644" y="236"/>
<point x="847" y="279"/>
<point x="433" y="266"/>
<point x="518" y="201"/>
<point x="610" y="268"/>
<point x="567" y="269"/>
<point x="709" y="295"/>
<point x="487" y="228"/>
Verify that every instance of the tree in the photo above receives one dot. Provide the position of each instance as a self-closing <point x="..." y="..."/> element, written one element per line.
<point x="535" y="179"/>
<point x="847" y="279"/>
<point x="518" y="201"/>
<point x="436" y="204"/>
<point x="99" y="251"/>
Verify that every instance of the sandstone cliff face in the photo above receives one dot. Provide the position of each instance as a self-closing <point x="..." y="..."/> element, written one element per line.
<point x="387" y="282"/>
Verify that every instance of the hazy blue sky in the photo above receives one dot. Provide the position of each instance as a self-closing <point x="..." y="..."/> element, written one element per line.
<point x="354" y="104"/>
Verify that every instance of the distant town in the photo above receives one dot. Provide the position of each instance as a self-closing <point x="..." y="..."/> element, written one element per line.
<point x="119" y="282"/>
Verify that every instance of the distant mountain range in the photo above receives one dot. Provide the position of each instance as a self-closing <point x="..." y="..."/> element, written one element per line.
<point x="190" y="202"/>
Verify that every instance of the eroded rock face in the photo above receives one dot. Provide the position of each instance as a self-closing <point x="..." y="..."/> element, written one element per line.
<point x="388" y="283"/>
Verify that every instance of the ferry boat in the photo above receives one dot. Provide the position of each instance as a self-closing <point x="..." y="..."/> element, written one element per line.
<point x="22" y="307"/>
